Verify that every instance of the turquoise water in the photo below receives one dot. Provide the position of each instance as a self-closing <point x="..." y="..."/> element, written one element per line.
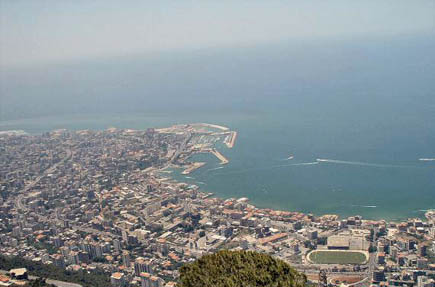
<point x="389" y="184"/>
<point x="367" y="107"/>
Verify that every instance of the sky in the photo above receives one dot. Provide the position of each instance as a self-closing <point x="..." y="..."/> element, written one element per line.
<point x="52" y="31"/>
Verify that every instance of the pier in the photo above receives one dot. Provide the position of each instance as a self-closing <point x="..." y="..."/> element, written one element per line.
<point x="220" y="156"/>
<point x="194" y="166"/>
<point x="231" y="139"/>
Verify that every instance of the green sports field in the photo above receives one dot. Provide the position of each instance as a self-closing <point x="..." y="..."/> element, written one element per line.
<point x="337" y="257"/>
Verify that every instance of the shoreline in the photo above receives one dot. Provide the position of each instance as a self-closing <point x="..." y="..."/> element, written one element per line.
<point x="419" y="214"/>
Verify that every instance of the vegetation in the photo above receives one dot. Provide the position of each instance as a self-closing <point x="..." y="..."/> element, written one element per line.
<point x="239" y="269"/>
<point x="431" y="256"/>
<point x="42" y="245"/>
<point x="94" y="279"/>
<point x="39" y="283"/>
<point x="337" y="257"/>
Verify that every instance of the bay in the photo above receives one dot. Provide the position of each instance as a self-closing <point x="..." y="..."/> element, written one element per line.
<point x="356" y="116"/>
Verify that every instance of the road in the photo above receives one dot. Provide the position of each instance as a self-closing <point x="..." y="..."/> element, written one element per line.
<point x="57" y="282"/>
<point x="19" y="201"/>
<point x="372" y="266"/>
<point x="49" y="281"/>
<point x="62" y="283"/>
<point x="182" y="147"/>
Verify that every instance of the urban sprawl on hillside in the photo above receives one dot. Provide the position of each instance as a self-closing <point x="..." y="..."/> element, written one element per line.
<point x="105" y="200"/>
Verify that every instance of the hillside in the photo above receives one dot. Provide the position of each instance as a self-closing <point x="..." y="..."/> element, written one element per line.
<point x="86" y="279"/>
<point x="239" y="269"/>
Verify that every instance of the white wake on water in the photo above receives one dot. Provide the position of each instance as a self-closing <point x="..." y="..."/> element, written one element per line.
<point x="267" y="168"/>
<point x="216" y="168"/>
<point x="365" y="206"/>
<point x="304" y="163"/>
<point x="292" y="164"/>
<point x="359" y="163"/>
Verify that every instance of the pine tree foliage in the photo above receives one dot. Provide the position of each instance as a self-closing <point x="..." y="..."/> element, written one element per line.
<point x="240" y="269"/>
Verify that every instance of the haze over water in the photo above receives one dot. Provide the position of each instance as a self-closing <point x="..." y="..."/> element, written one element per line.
<point x="365" y="104"/>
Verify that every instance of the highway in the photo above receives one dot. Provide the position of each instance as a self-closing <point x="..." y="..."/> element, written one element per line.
<point x="62" y="283"/>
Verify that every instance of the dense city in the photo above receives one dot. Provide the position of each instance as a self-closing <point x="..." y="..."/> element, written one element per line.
<point x="104" y="201"/>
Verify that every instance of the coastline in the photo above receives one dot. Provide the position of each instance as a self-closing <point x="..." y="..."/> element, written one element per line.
<point x="261" y="206"/>
<point x="229" y="141"/>
<point x="166" y="202"/>
<point x="224" y="191"/>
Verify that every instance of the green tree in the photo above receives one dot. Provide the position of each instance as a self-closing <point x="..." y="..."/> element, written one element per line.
<point x="239" y="269"/>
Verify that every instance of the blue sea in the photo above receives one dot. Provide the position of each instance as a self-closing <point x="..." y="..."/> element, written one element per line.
<point x="365" y="108"/>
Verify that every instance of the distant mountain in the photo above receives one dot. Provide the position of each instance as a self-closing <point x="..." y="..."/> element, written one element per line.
<point x="239" y="269"/>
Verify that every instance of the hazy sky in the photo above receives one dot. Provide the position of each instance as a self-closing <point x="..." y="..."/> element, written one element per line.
<point x="33" y="32"/>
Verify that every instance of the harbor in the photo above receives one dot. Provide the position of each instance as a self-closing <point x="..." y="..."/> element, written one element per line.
<point x="221" y="157"/>
<point x="192" y="167"/>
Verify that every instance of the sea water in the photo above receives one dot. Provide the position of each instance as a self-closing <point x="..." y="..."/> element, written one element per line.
<point x="356" y="118"/>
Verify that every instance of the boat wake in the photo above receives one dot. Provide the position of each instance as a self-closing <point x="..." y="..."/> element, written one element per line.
<point x="304" y="163"/>
<point x="365" y="206"/>
<point x="426" y="159"/>
<point x="216" y="168"/>
<point x="320" y="160"/>
<point x="267" y="168"/>
<point x="292" y="164"/>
